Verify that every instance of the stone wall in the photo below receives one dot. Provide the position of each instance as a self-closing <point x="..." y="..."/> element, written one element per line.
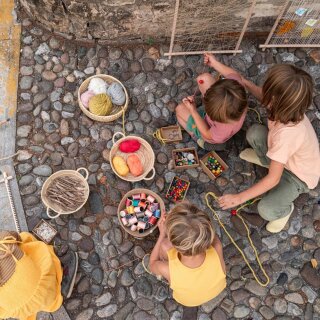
<point x="120" y="21"/>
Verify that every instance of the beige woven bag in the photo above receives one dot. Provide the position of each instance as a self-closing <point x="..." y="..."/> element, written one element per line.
<point x="145" y="153"/>
<point x="117" y="111"/>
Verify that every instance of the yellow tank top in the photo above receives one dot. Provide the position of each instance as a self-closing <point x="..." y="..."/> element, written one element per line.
<point x="193" y="287"/>
<point x="36" y="283"/>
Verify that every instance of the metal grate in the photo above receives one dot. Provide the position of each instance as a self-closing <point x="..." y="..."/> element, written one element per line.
<point x="298" y="25"/>
<point x="214" y="26"/>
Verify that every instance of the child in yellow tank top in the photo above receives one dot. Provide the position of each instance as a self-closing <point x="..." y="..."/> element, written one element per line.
<point x="189" y="255"/>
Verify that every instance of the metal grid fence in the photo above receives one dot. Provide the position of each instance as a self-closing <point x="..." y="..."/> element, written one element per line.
<point x="298" y="25"/>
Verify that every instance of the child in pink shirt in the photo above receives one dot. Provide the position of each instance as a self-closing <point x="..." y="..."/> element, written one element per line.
<point x="288" y="147"/>
<point x="224" y="110"/>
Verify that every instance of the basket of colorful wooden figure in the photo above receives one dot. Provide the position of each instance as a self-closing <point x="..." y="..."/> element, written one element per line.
<point x="132" y="158"/>
<point x="139" y="212"/>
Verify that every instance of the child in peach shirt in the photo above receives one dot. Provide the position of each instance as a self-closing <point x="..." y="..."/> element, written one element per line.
<point x="288" y="147"/>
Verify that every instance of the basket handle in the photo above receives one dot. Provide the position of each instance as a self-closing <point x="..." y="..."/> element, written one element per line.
<point x="86" y="172"/>
<point x="117" y="134"/>
<point x="54" y="216"/>
<point x="153" y="174"/>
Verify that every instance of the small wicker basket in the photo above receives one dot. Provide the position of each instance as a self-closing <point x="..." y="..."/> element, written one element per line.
<point x="54" y="207"/>
<point x="116" y="112"/>
<point x="122" y="206"/>
<point x="145" y="153"/>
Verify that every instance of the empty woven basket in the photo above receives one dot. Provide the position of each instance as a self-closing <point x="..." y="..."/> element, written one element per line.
<point x="116" y="110"/>
<point x="145" y="153"/>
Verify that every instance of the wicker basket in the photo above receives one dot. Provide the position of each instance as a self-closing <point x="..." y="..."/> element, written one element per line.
<point x="116" y="110"/>
<point x="53" y="206"/>
<point x="122" y="206"/>
<point x="145" y="153"/>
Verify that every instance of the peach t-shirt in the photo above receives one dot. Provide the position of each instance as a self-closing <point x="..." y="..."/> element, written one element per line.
<point x="297" y="147"/>
<point x="221" y="132"/>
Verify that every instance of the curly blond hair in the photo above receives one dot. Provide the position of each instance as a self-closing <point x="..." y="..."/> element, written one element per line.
<point x="189" y="229"/>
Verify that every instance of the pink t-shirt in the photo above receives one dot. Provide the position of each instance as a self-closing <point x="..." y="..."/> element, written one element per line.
<point x="221" y="132"/>
<point x="297" y="147"/>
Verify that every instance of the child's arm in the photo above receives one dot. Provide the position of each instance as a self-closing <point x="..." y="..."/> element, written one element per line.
<point x="212" y="62"/>
<point x="218" y="246"/>
<point x="157" y="266"/>
<point x="200" y="123"/>
<point x="268" y="182"/>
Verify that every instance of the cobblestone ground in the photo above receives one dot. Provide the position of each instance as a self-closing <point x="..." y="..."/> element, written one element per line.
<point x="56" y="135"/>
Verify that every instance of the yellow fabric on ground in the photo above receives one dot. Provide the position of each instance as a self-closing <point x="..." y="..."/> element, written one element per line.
<point x="193" y="287"/>
<point x="36" y="283"/>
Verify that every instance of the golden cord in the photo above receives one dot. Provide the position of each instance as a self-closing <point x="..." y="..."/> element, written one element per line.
<point x="216" y="216"/>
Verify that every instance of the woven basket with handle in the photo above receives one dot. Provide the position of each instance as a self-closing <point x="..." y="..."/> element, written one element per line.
<point x="122" y="206"/>
<point x="64" y="173"/>
<point x="116" y="112"/>
<point x="145" y="153"/>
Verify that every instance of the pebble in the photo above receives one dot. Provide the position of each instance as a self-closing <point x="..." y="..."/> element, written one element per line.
<point x="294" y="298"/>
<point x="107" y="311"/>
<point x="85" y="315"/>
<point x="43" y="170"/>
<point x="266" y="312"/>
<point x="126" y="278"/>
<point x="282" y="279"/>
<point x="24" y="131"/>
<point x="241" y="311"/>
<point x="104" y="299"/>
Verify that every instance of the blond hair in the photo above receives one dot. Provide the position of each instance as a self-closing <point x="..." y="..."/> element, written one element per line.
<point x="225" y="100"/>
<point x="189" y="229"/>
<point x="287" y="93"/>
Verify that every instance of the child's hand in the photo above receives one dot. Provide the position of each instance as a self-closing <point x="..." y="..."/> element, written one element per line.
<point x="189" y="103"/>
<point x="161" y="225"/>
<point x="229" y="201"/>
<point x="208" y="59"/>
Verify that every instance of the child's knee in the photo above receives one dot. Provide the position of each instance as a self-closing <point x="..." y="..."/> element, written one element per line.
<point x="256" y="132"/>
<point x="265" y="211"/>
<point x="179" y="108"/>
<point x="204" y="76"/>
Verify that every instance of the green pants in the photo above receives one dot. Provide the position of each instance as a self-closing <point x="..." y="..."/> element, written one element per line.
<point x="277" y="202"/>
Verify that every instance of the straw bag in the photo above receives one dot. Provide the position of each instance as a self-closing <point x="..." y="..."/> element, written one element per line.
<point x="145" y="153"/>
<point x="63" y="173"/>
<point x="122" y="206"/>
<point x="116" y="111"/>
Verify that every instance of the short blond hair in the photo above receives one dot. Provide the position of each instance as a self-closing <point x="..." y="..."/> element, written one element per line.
<point x="189" y="229"/>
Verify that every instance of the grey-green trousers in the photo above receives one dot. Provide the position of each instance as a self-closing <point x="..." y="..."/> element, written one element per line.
<point x="277" y="202"/>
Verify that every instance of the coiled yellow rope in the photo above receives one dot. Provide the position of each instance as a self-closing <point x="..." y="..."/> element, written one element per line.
<point x="123" y="123"/>
<point x="216" y="217"/>
<point x="158" y="136"/>
<point x="258" y="114"/>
